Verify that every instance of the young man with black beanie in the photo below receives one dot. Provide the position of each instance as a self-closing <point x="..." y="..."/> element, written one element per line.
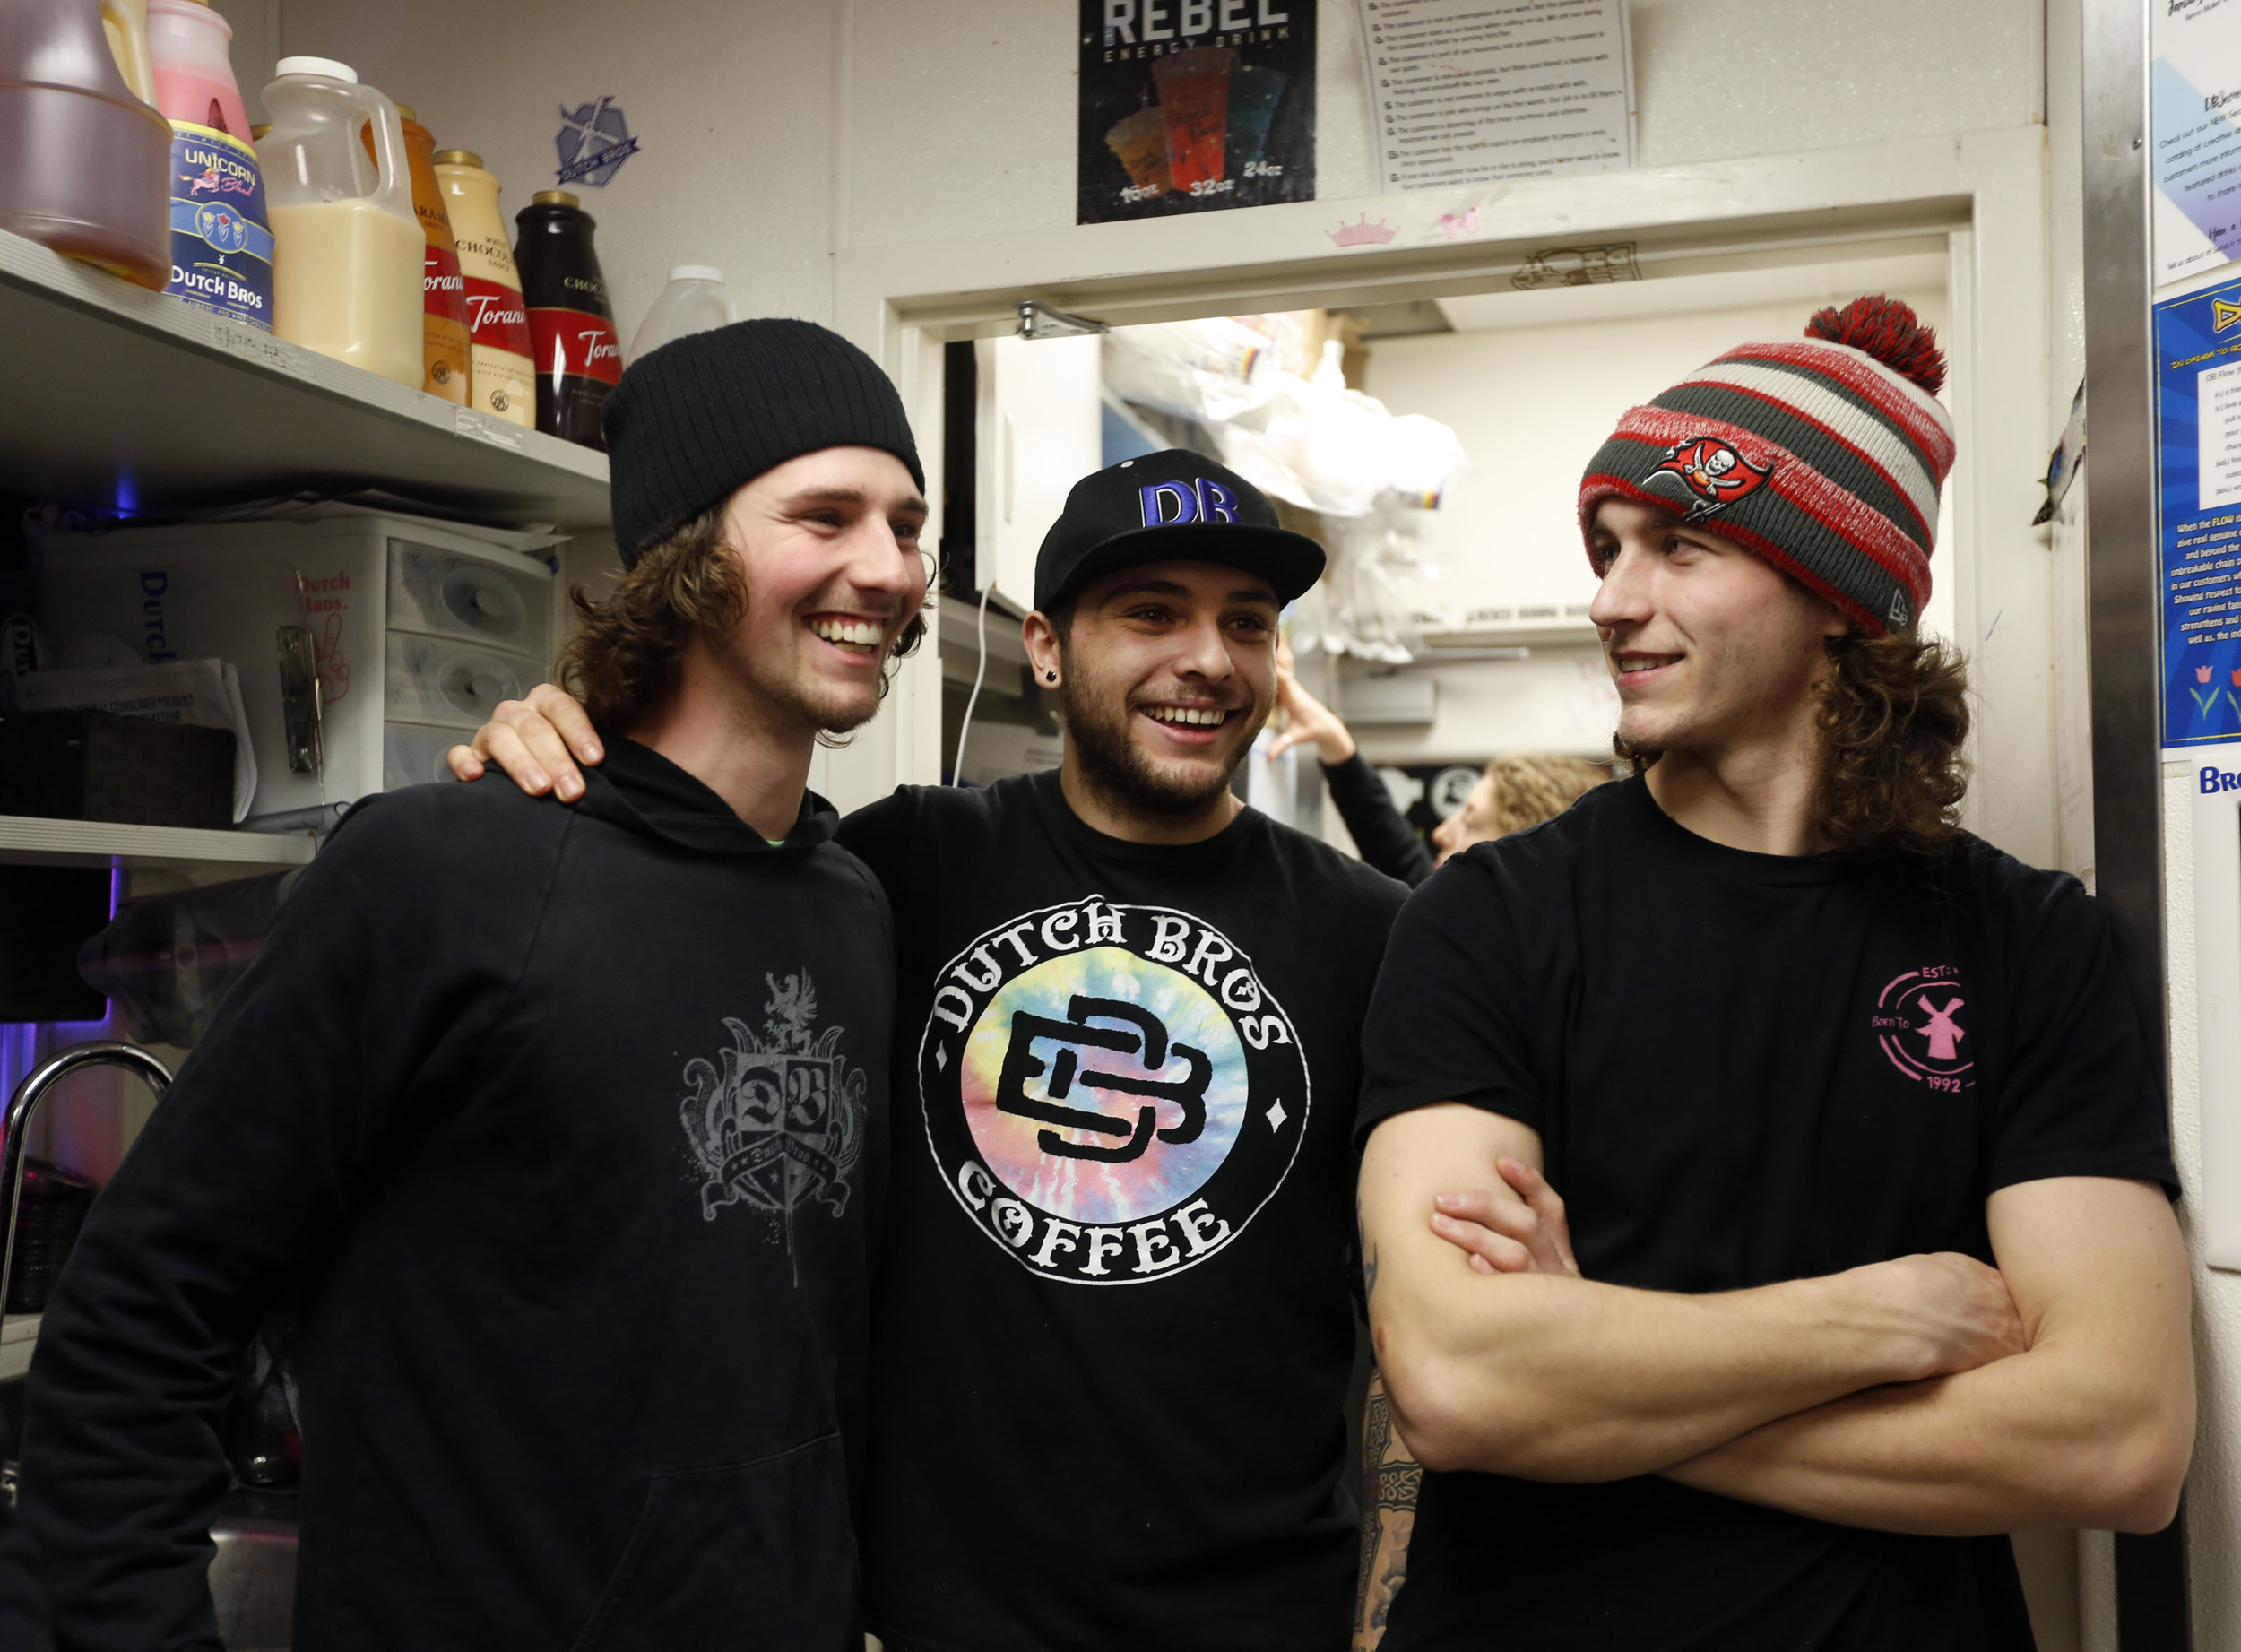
<point x="568" y="1125"/>
<point x="1114" y="1330"/>
<point x="1862" y="1257"/>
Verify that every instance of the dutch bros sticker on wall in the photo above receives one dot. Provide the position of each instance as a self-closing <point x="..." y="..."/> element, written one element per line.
<point x="594" y="142"/>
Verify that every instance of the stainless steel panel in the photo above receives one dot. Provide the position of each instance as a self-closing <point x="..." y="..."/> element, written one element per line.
<point x="2153" y="1606"/>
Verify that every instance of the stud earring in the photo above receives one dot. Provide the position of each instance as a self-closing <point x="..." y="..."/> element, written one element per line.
<point x="1052" y="675"/>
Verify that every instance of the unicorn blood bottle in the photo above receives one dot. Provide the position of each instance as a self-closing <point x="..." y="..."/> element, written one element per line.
<point x="221" y="239"/>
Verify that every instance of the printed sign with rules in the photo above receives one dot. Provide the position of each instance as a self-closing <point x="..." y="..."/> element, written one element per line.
<point x="2198" y="510"/>
<point x="1191" y="106"/>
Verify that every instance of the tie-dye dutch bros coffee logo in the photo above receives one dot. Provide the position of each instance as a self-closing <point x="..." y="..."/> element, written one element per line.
<point x="1112" y="1093"/>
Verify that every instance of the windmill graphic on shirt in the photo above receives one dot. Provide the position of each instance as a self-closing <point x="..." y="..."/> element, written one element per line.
<point x="1942" y="1031"/>
<point x="1917" y="1023"/>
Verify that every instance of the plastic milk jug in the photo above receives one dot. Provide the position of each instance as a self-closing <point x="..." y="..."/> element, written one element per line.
<point x="222" y="245"/>
<point x="498" y="318"/>
<point x="347" y="251"/>
<point x="694" y="301"/>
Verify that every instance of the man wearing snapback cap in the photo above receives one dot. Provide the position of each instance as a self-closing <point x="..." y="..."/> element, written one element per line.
<point x="1112" y="1333"/>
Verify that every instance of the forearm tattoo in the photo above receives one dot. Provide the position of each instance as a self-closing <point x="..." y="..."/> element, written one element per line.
<point x="1390" y="1481"/>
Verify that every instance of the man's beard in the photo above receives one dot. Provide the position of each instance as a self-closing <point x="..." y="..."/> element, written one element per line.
<point x="1097" y="731"/>
<point x="771" y="694"/>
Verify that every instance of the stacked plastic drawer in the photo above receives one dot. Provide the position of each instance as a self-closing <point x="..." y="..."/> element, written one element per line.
<point x="463" y="632"/>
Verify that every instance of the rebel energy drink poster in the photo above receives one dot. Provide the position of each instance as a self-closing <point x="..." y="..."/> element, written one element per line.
<point x="1193" y="105"/>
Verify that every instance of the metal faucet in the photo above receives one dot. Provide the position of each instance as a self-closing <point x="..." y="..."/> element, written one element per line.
<point x="24" y="1102"/>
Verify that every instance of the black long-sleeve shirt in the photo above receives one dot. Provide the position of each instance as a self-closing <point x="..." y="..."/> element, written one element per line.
<point x="570" y="1124"/>
<point x="1385" y="838"/>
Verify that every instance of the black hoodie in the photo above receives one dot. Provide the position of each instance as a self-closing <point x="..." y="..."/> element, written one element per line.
<point x="571" y="1125"/>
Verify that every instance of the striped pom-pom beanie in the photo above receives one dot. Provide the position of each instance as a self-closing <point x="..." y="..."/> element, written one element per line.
<point x="1823" y="453"/>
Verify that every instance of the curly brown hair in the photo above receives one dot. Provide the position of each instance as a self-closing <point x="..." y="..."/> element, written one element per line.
<point x="1894" y="720"/>
<point x="627" y="655"/>
<point x="1527" y="788"/>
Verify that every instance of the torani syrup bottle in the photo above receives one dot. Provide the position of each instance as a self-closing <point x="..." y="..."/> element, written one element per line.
<point x="444" y="299"/>
<point x="497" y="325"/>
<point x="577" y="357"/>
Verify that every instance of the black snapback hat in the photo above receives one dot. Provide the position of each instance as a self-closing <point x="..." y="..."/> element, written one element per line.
<point x="1170" y="506"/>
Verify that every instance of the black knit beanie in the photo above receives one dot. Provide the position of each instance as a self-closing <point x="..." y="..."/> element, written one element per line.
<point x="706" y="414"/>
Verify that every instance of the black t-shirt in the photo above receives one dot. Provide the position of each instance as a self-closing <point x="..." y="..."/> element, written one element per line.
<point x="1113" y="1327"/>
<point x="1745" y="1068"/>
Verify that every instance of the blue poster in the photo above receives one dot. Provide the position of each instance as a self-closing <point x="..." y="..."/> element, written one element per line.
<point x="2198" y="511"/>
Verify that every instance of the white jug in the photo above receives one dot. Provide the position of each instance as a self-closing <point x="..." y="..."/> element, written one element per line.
<point x="347" y="250"/>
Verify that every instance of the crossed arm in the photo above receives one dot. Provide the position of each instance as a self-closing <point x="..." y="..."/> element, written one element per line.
<point x="1929" y="1394"/>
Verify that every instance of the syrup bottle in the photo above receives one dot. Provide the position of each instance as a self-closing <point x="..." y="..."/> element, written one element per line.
<point x="87" y="160"/>
<point x="578" y="357"/>
<point x="497" y="325"/>
<point x="221" y="244"/>
<point x="445" y="324"/>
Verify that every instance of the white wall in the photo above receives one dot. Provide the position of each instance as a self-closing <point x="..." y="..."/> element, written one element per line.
<point x="776" y="130"/>
<point x="963" y="113"/>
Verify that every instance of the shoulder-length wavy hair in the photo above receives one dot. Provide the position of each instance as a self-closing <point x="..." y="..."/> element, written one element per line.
<point x="626" y="656"/>
<point x="1893" y="713"/>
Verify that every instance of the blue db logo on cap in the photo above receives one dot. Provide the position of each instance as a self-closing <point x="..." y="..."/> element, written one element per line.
<point x="1203" y="499"/>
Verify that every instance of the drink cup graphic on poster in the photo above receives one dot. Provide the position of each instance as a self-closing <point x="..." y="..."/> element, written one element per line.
<point x="1191" y="106"/>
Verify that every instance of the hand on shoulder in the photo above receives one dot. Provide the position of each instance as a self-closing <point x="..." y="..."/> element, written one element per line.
<point x="537" y="742"/>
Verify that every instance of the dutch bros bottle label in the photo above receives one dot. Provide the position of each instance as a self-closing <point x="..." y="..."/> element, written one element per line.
<point x="221" y="250"/>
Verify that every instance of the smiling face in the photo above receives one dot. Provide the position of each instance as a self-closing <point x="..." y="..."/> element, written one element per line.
<point x="829" y="542"/>
<point x="1711" y="646"/>
<point x="1167" y="672"/>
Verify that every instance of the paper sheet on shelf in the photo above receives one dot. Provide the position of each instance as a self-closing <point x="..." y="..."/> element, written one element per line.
<point x="204" y="694"/>
<point x="1466" y="92"/>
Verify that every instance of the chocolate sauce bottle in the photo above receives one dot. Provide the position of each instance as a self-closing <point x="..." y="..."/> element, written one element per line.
<point x="578" y="360"/>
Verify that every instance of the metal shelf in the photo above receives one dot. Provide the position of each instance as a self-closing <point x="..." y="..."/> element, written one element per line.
<point x="126" y="399"/>
<point x="26" y="840"/>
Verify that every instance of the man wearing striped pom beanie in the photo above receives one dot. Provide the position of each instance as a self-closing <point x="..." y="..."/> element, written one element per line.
<point x="1764" y="1194"/>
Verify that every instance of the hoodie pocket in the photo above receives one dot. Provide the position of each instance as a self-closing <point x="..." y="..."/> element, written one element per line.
<point x="750" y="1557"/>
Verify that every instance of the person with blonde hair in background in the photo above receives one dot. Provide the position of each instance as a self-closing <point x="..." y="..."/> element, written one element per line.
<point x="1518" y="788"/>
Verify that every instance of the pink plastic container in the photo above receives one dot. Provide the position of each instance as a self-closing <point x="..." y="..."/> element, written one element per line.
<point x="89" y="164"/>
<point x="186" y="48"/>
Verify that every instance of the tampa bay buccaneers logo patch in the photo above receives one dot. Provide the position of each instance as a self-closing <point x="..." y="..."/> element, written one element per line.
<point x="1712" y="471"/>
<point x="1112" y="1092"/>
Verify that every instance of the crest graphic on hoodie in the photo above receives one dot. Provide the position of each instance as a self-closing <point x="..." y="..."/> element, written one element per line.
<point x="776" y="1122"/>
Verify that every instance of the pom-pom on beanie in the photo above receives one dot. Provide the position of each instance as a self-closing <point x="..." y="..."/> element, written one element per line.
<point x="1824" y="454"/>
<point x="706" y="414"/>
